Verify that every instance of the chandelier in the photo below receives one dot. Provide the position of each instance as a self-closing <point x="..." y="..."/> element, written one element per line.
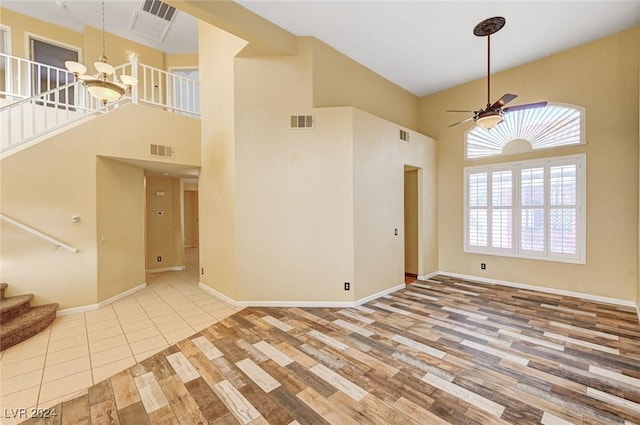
<point x="101" y="86"/>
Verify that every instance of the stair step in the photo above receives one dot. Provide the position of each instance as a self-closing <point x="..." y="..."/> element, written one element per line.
<point x="12" y="307"/>
<point x="27" y="325"/>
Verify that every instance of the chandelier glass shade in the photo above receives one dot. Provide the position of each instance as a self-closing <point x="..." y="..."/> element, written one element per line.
<point x="104" y="85"/>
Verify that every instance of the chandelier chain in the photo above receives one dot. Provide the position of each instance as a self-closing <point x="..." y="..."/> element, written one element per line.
<point x="103" y="41"/>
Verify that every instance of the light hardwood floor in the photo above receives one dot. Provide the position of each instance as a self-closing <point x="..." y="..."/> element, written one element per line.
<point x="442" y="351"/>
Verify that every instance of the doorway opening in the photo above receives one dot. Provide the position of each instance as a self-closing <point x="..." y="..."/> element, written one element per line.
<point x="48" y="71"/>
<point x="171" y="226"/>
<point x="411" y="223"/>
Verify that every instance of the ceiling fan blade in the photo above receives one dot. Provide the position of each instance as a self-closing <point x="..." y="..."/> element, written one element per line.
<point x="503" y="100"/>
<point x="460" y="122"/>
<point x="459" y="110"/>
<point x="526" y="106"/>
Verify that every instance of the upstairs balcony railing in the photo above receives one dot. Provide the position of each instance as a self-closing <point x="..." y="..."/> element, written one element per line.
<point x="36" y="99"/>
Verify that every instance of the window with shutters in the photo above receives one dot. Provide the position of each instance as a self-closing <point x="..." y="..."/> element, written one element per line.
<point x="528" y="209"/>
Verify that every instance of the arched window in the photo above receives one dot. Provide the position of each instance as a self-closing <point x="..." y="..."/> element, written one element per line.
<point x="530" y="129"/>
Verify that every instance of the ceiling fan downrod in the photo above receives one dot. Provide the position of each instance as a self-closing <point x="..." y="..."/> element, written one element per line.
<point x="485" y="29"/>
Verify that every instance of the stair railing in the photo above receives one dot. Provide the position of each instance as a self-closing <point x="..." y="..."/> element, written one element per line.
<point x="159" y="88"/>
<point x="40" y="112"/>
<point x="24" y="78"/>
<point x="56" y="243"/>
<point x="26" y="119"/>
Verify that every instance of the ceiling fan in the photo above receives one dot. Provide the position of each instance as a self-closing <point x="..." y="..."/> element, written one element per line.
<point x="492" y="114"/>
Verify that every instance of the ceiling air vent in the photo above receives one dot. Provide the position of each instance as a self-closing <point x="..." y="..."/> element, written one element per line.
<point x="159" y="9"/>
<point x="301" y="121"/>
<point x="404" y="135"/>
<point x="153" y="19"/>
<point x="161" y="151"/>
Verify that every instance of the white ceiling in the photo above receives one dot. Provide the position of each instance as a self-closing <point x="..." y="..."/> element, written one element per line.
<point x="182" y="36"/>
<point x="424" y="46"/>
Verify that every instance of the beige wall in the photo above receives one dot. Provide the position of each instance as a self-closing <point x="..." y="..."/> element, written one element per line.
<point x="120" y="226"/>
<point x="217" y="177"/>
<point x="340" y="81"/>
<point x="601" y="76"/>
<point x="21" y="24"/>
<point x="411" y="221"/>
<point x="379" y="162"/>
<point x="279" y="216"/>
<point x="46" y="184"/>
<point x="293" y="191"/>
<point x="118" y="50"/>
<point x="43" y="187"/>
<point x="187" y="60"/>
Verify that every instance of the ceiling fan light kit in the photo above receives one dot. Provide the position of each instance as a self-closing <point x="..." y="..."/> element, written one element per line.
<point x="493" y="114"/>
<point x="489" y="121"/>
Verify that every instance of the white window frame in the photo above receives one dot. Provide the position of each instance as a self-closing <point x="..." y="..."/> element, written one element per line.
<point x="580" y="257"/>
<point x="554" y="126"/>
<point x="8" y="45"/>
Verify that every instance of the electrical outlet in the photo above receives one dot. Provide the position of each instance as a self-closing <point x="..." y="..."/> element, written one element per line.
<point x="347" y="286"/>
<point x="483" y="266"/>
<point x="202" y="271"/>
<point x="159" y="258"/>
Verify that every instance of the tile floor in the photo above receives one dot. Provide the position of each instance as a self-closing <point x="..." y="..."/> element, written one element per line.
<point x="82" y="349"/>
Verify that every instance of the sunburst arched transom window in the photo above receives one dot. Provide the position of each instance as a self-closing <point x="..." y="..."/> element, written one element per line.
<point x="530" y="129"/>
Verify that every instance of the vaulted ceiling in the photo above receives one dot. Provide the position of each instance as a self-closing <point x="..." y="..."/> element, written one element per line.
<point x="424" y="46"/>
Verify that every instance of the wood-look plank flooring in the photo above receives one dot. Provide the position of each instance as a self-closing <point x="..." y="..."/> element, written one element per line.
<point x="441" y="351"/>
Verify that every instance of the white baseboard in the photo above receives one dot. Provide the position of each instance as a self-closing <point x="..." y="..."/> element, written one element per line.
<point x="166" y="269"/>
<point x="76" y="310"/>
<point x="327" y="304"/>
<point x="378" y="294"/>
<point x="227" y="300"/>
<point x="428" y="276"/>
<point x="638" y="312"/>
<point x="311" y="304"/>
<point x="582" y="295"/>
<point x="90" y="307"/>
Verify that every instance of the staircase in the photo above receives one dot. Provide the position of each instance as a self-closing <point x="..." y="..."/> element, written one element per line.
<point x="30" y="111"/>
<point x="19" y="321"/>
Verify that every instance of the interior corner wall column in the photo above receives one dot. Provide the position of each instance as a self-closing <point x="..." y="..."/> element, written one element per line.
<point x="217" y="179"/>
<point x="264" y="37"/>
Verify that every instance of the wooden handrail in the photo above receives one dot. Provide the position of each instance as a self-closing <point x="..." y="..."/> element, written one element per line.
<point x="56" y="243"/>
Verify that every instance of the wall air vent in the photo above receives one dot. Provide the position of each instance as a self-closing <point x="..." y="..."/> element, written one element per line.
<point x="153" y="19"/>
<point x="301" y="121"/>
<point x="161" y="151"/>
<point x="404" y="135"/>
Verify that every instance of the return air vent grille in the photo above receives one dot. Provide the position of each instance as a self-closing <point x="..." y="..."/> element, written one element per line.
<point x="161" y="151"/>
<point x="159" y="9"/>
<point x="301" y="121"/>
<point x="404" y="135"/>
<point x="153" y="19"/>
